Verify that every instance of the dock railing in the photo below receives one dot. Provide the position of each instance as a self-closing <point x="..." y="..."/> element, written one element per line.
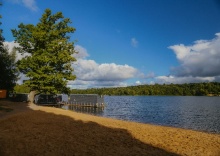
<point x="83" y="104"/>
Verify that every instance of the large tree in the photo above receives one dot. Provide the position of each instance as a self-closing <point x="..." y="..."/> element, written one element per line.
<point x="8" y="74"/>
<point x="49" y="53"/>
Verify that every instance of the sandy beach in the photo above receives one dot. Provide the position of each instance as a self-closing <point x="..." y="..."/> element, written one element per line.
<point x="27" y="129"/>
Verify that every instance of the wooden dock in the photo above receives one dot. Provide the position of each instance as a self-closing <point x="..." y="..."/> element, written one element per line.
<point x="83" y="105"/>
<point x="59" y="105"/>
<point x="97" y="105"/>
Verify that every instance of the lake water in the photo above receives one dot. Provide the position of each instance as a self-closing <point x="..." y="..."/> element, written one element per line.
<point x="191" y="112"/>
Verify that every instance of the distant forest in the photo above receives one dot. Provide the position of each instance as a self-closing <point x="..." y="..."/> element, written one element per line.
<point x="190" y="89"/>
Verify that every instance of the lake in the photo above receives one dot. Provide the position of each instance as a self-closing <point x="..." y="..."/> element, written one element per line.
<point x="190" y="112"/>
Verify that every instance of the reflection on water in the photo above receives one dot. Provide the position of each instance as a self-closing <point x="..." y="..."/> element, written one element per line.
<point x="81" y="109"/>
<point x="190" y="112"/>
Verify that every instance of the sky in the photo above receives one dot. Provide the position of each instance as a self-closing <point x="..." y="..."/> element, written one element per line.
<point x="132" y="42"/>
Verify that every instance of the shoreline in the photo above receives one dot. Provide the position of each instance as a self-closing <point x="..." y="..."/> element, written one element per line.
<point x="191" y="129"/>
<point x="112" y="135"/>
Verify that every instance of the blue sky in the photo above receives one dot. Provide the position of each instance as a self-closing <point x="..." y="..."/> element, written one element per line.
<point x="132" y="42"/>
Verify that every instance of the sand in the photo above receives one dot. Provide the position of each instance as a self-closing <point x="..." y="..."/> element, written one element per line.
<point x="35" y="130"/>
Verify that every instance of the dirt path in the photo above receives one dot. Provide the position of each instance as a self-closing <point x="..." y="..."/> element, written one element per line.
<point x="33" y="130"/>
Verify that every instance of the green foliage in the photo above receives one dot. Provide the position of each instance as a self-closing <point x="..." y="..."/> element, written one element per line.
<point x="9" y="73"/>
<point x="192" y="89"/>
<point x="48" y="64"/>
<point x="21" y="89"/>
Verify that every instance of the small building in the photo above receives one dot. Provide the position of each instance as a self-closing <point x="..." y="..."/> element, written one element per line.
<point x="86" y="99"/>
<point x="45" y="99"/>
<point x="19" y="97"/>
<point x="3" y="94"/>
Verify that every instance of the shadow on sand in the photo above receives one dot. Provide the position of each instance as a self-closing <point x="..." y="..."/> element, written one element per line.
<point x="41" y="133"/>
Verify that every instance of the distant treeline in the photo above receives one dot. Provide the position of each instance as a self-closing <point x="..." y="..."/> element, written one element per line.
<point x="190" y="89"/>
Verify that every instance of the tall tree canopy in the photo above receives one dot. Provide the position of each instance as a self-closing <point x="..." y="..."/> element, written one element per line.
<point x="9" y="74"/>
<point x="49" y="53"/>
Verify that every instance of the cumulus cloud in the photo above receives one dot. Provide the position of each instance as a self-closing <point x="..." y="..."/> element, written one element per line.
<point x="10" y="46"/>
<point x="147" y="76"/>
<point x="138" y="82"/>
<point x="202" y="59"/>
<point x="30" y="4"/>
<point x="80" y="84"/>
<point x="134" y="42"/>
<point x="81" y="52"/>
<point x="91" y="74"/>
<point x="22" y="77"/>
<point x="88" y="70"/>
<point x="19" y="56"/>
<point x="180" y="80"/>
<point x="199" y="62"/>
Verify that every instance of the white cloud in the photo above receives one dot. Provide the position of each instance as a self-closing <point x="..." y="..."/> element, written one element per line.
<point x="30" y="4"/>
<point x="202" y="59"/>
<point x="80" y="84"/>
<point x="199" y="62"/>
<point x="138" y="83"/>
<point x="91" y="74"/>
<point x="89" y="70"/>
<point x="22" y="77"/>
<point x="10" y="46"/>
<point x="81" y="52"/>
<point x="181" y="80"/>
<point x="147" y="76"/>
<point x="134" y="42"/>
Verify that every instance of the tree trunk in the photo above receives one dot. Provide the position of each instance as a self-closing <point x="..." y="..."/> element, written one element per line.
<point x="31" y="96"/>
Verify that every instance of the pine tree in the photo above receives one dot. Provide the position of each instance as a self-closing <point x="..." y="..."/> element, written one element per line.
<point x="49" y="53"/>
